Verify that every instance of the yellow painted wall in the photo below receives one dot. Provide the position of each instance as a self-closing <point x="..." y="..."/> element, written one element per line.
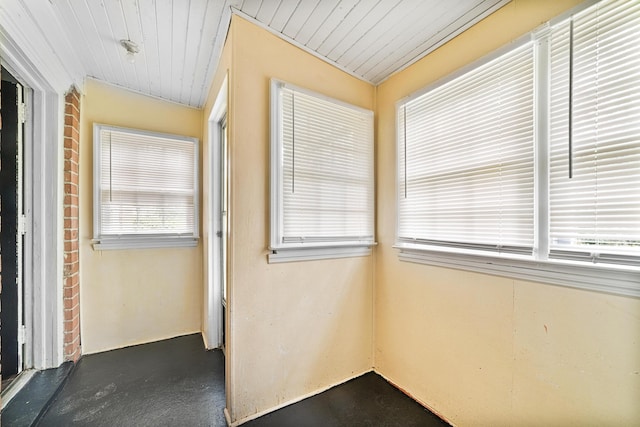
<point x="130" y="297"/>
<point x="478" y="349"/>
<point x="486" y="350"/>
<point x="294" y="328"/>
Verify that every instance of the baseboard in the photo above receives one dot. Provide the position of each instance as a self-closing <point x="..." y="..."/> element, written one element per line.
<point x="424" y="404"/>
<point x="204" y="340"/>
<point x="290" y="402"/>
<point x="227" y="417"/>
<point x="137" y="343"/>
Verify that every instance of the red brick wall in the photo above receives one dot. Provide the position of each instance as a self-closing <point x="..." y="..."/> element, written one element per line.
<point x="71" y="286"/>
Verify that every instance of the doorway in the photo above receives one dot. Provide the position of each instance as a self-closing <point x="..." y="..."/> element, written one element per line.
<point x="217" y="220"/>
<point x="222" y="234"/>
<point x="12" y="228"/>
<point x="39" y="266"/>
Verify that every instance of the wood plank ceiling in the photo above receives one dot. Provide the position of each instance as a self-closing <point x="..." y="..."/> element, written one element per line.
<point x="180" y="40"/>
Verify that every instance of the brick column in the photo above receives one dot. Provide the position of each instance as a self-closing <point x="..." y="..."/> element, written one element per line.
<point x="72" y="349"/>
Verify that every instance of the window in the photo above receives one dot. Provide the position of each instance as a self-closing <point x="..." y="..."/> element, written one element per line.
<point x="321" y="176"/>
<point x="528" y="165"/>
<point x="145" y="189"/>
<point x="595" y="144"/>
<point x="466" y="163"/>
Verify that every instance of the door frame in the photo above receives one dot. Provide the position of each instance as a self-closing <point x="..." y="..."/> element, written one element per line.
<point x="43" y="190"/>
<point x="20" y="238"/>
<point x="213" y="333"/>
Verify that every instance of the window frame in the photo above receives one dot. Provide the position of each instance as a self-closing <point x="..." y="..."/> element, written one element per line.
<point x="280" y="251"/>
<point x="539" y="267"/>
<point x="142" y="240"/>
<point x="400" y="106"/>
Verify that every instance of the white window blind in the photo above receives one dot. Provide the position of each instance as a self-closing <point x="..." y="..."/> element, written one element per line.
<point x="323" y="171"/>
<point x="595" y="135"/>
<point x="466" y="159"/>
<point x="145" y="185"/>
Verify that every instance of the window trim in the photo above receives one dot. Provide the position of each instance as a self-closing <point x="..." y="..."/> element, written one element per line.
<point x="612" y="279"/>
<point x="142" y="241"/>
<point x="538" y="267"/>
<point x="310" y="253"/>
<point x="299" y="251"/>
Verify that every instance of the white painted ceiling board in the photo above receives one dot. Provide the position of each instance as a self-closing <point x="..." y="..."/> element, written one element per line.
<point x="206" y="52"/>
<point x="77" y="34"/>
<point x="359" y="13"/>
<point x="110" y="12"/>
<point x="372" y="22"/>
<point x="300" y="17"/>
<point x="251" y="7"/>
<point x="151" y="47"/>
<point x="446" y="27"/>
<point x="285" y="11"/>
<point x="113" y="68"/>
<point x="266" y="11"/>
<point x="131" y="16"/>
<point x="419" y="26"/>
<point x="21" y="30"/>
<point x="308" y="29"/>
<point x="180" y="41"/>
<point x="55" y="36"/>
<point x="164" y="29"/>
<point x="378" y="38"/>
<point x="330" y="23"/>
<point x="180" y="29"/>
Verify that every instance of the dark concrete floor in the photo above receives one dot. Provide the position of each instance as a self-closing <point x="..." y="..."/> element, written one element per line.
<point x="167" y="383"/>
<point x="177" y="383"/>
<point x="368" y="400"/>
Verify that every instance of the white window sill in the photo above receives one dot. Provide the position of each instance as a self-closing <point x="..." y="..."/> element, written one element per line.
<point x="613" y="279"/>
<point x="144" y="243"/>
<point x="311" y="253"/>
